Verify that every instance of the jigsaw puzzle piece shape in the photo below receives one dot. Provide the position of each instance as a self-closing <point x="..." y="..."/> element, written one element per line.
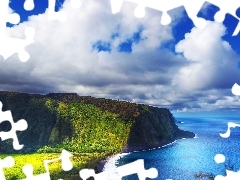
<point x="66" y="166"/>
<point x="9" y="45"/>
<point x="136" y="167"/>
<point x="65" y="156"/>
<point x="20" y="125"/>
<point x="7" y="162"/>
<point x="227" y="133"/>
<point x="139" y="12"/>
<point x="192" y="9"/>
<point x="230" y="7"/>
<point x="164" y="7"/>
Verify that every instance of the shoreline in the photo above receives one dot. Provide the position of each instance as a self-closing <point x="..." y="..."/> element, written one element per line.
<point x="150" y="149"/>
<point x="111" y="161"/>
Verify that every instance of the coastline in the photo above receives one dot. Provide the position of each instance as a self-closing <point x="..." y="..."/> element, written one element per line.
<point x="159" y="147"/>
<point x="111" y="161"/>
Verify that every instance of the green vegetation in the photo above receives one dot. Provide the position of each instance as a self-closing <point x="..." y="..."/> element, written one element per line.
<point x="36" y="160"/>
<point x="90" y="128"/>
<point x="90" y="133"/>
<point x="86" y="129"/>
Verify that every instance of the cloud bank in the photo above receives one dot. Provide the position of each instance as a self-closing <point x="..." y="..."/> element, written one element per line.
<point x="86" y="55"/>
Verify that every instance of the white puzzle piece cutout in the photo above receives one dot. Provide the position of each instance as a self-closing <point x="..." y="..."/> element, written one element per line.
<point x="136" y="167"/>
<point x="192" y="8"/>
<point x="65" y="161"/>
<point x="7" y="162"/>
<point x="220" y="158"/>
<point x="20" y="125"/>
<point x="9" y="45"/>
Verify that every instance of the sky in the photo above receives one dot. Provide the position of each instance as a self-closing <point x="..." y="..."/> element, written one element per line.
<point x="118" y="56"/>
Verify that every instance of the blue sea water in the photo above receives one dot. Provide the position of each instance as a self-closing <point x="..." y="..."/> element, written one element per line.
<point x="186" y="157"/>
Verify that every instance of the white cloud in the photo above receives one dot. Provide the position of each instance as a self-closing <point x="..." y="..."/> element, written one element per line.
<point x="212" y="60"/>
<point x="63" y="59"/>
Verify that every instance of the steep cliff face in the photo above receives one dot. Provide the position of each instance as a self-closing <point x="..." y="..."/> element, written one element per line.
<point x="87" y="124"/>
<point x="155" y="127"/>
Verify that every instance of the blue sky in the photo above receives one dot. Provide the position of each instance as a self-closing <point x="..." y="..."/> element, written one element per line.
<point x="119" y="56"/>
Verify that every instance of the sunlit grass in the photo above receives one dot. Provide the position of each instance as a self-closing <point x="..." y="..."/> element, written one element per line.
<point x="79" y="160"/>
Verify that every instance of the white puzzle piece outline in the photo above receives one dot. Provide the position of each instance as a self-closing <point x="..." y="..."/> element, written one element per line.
<point x="20" y="125"/>
<point x="67" y="165"/>
<point x="18" y="45"/>
<point x="220" y="158"/>
<point x="7" y="162"/>
<point x="136" y="167"/>
<point x="9" y="45"/>
<point x="192" y="8"/>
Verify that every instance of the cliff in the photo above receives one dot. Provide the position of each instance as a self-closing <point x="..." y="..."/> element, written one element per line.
<point x="155" y="127"/>
<point x="87" y="124"/>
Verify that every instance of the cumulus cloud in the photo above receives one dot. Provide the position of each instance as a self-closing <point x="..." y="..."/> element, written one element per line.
<point x="212" y="60"/>
<point x="64" y="58"/>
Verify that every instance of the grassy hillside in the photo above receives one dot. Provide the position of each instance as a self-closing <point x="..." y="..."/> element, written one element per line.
<point x="91" y="128"/>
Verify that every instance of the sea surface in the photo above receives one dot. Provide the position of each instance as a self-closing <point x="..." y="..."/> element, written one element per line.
<point x="185" y="158"/>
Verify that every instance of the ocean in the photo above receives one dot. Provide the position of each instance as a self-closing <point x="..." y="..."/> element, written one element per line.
<point x="185" y="158"/>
